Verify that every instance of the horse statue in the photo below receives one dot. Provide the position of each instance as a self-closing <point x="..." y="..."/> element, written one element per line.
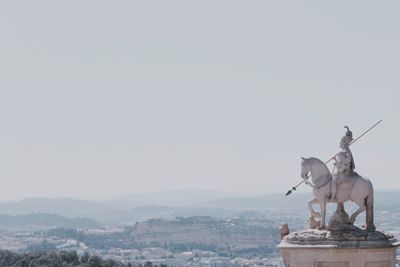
<point x="344" y="186"/>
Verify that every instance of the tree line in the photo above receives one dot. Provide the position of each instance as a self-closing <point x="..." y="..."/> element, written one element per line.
<point x="60" y="259"/>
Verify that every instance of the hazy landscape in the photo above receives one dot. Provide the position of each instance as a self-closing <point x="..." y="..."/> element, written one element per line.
<point x="166" y="133"/>
<point x="128" y="209"/>
<point x="182" y="227"/>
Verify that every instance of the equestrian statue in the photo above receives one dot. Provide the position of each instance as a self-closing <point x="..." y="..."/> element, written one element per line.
<point x="340" y="186"/>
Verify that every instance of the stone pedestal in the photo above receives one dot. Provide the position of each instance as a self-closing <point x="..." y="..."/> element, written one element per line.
<point x="321" y="248"/>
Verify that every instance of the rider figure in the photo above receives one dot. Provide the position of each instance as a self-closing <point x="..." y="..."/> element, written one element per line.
<point x="344" y="145"/>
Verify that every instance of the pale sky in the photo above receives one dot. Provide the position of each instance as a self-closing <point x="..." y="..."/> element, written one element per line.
<point x="106" y="98"/>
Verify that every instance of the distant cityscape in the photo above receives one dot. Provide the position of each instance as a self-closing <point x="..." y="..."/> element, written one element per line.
<point x="243" y="236"/>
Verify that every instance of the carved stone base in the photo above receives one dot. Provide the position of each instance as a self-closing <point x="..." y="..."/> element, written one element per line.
<point x="353" y="248"/>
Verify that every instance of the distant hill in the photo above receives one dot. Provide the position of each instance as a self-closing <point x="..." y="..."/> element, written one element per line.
<point x="69" y="206"/>
<point x="384" y="200"/>
<point x="171" y="204"/>
<point x="387" y="200"/>
<point x="62" y="206"/>
<point x="264" y="202"/>
<point x="181" y="198"/>
<point x="226" y="237"/>
<point x="143" y="213"/>
<point x="45" y="219"/>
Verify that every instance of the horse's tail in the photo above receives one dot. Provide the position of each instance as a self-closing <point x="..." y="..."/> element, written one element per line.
<point x="369" y="201"/>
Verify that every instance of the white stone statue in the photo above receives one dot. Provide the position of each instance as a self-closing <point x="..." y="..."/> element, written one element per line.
<point x="340" y="242"/>
<point x="351" y="187"/>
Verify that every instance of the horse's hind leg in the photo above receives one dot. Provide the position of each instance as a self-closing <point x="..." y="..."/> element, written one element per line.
<point x="370" y="212"/>
<point x="312" y="211"/>
<point x="323" y="213"/>
<point x="361" y="208"/>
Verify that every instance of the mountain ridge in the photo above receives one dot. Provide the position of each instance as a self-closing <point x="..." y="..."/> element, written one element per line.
<point x="118" y="211"/>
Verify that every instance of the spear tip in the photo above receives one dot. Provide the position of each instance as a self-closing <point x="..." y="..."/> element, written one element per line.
<point x="290" y="191"/>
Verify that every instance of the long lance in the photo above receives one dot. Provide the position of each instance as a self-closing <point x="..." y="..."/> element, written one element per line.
<point x="330" y="159"/>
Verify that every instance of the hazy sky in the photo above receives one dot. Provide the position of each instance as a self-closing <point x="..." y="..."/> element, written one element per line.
<point x="105" y="98"/>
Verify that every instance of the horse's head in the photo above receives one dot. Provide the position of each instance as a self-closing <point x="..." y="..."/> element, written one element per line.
<point x="342" y="161"/>
<point x="305" y="168"/>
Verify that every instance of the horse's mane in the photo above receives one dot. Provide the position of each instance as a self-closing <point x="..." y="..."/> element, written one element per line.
<point x="320" y="162"/>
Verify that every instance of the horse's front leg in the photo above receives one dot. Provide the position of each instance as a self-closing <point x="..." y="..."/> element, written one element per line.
<point x="323" y="214"/>
<point x="312" y="211"/>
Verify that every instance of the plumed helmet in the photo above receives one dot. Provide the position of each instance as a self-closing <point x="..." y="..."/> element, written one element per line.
<point x="348" y="132"/>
